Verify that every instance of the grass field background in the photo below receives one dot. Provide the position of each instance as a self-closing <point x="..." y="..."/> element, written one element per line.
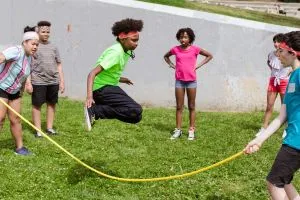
<point x="233" y="12"/>
<point x="137" y="151"/>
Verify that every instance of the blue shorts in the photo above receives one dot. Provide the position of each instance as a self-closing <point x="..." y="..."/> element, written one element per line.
<point x="185" y="84"/>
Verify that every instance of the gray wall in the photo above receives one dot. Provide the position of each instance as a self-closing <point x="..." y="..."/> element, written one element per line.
<point x="235" y="80"/>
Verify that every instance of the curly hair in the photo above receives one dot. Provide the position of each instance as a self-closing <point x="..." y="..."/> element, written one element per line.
<point x="127" y="25"/>
<point x="29" y="29"/>
<point x="44" y="23"/>
<point x="279" y="37"/>
<point x="292" y="39"/>
<point x="188" y="31"/>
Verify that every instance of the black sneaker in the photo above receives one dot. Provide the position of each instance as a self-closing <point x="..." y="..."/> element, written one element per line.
<point x="51" y="131"/>
<point x="89" y="118"/>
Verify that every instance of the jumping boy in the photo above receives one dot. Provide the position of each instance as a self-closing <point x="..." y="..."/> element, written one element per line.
<point x="105" y="99"/>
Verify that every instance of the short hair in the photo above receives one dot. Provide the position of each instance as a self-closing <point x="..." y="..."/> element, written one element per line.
<point x="29" y="29"/>
<point x="44" y="23"/>
<point x="292" y="39"/>
<point x="278" y="37"/>
<point x="127" y="25"/>
<point x="188" y="31"/>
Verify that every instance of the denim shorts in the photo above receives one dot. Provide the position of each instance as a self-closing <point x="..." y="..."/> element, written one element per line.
<point x="185" y="84"/>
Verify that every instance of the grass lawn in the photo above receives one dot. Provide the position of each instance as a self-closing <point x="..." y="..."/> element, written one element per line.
<point x="234" y="12"/>
<point x="137" y="151"/>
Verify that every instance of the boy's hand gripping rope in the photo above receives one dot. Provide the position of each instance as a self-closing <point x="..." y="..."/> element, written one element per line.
<point x="118" y="178"/>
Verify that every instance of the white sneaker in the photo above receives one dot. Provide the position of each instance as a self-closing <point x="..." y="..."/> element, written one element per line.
<point x="191" y="134"/>
<point x="284" y="134"/>
<point x="261" y="130"/>
<point x="176" y="134"/>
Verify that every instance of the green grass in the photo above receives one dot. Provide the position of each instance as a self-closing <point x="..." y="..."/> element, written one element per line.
<point x="234" y="12"/>
<point x="137" y="151"/>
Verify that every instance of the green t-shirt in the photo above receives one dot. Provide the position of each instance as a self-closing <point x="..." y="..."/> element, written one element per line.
<point x="113" y="61"/>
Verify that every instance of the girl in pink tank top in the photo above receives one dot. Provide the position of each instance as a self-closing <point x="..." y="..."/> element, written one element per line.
<point x="185" y="75"/>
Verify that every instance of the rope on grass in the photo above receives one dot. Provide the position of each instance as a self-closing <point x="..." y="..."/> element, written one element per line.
<point x="119" y="178"/>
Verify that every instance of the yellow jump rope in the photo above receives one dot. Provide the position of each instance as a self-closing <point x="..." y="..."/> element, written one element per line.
<point x="118" y="178"/>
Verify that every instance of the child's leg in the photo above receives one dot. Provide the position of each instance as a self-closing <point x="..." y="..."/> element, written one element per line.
<point x="3" y="111"/>
<point x="112" y="102"/>
<point x="276" y="192"/>
<point x="51" y="99"/>
<point x="15" y="122"/>
<point x="291" y="192"/>
<point x="179" y="94"/>
<point x="271" y="97"/>
<point x="191" y="94"/>
<point x="50" y="115"/>
<point x="279" y="179"/>
<point x="36" y="116"/>
<point x="38" y="98"/>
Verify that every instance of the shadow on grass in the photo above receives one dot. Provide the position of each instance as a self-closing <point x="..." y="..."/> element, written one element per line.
<point x="160" y="126"/>
<point x="7" y="144"/>
<point x="78" y="173"/>
<point x="217" y="197"/>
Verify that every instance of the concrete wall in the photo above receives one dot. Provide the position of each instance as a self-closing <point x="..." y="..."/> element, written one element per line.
<point x="235" y="80"/>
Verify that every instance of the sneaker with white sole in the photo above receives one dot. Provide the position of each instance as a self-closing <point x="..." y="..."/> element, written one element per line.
<point x="38" y="135"/>
<point x="191" y="134"/>
<point x="51" y="131"/>
<point x="89" y="118"/>
<point x="176" y="134"/>
<point x="23" y="151"/>
<point x="261" y="130"/>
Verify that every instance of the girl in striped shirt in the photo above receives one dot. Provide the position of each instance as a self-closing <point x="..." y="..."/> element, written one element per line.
<point x="14" y="70"/>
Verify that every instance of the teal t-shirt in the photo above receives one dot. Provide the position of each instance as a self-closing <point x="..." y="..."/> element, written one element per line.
<point x="113" y="61"/>
<point x="292" y="101"/>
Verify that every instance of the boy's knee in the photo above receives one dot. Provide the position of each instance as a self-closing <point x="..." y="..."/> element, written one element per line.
<point x="136" y="114"/>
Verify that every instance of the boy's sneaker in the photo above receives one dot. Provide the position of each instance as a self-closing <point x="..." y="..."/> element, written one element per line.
<point x="23" y="151"/>
<point x="261" y="130"/>
<point x="38" y="135"/>
<point x="176" y="134"/>
<point x="51" y="131"/>
<point x="89" y="118"/>
<point x="191" y="134"/>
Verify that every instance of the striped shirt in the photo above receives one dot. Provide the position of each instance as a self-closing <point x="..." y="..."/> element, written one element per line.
<point x="44" y="65"/>
<point x="15" y="70"/>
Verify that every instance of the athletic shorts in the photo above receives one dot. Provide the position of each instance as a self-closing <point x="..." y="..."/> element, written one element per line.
<point x="8" y="96"/>
<point x="287" y="162"/>
<point x="278" y="88"/>
<point x="185" y="84"/>
<point x="44" y="93"/>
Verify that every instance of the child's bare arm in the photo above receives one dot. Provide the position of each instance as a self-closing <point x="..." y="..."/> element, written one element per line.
<point x="255" y="144"/>
<point x="2" y="58"/>
<point x="61" y="78"/>
<point x="168" y="61"/>
<point x="208" y="57"/>
<point x="90" y="81"/>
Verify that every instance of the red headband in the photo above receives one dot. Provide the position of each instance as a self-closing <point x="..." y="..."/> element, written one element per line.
<point x="124" y="35"/>
<point x="283" y="45"/>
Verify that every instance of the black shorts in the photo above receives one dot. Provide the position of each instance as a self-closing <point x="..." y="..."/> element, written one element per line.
<point x="44" y="93"/>
<point x="8" y="96"/>
<point x="287" y="162"/>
